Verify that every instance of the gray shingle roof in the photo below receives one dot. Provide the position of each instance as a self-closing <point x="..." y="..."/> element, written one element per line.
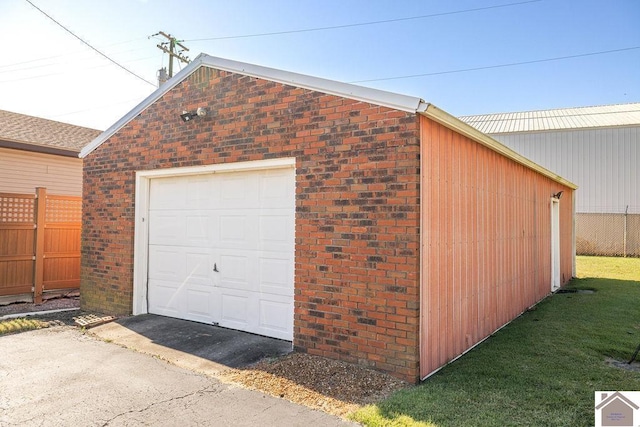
<point x="23" y="129"/>
<point x="563" y="118"/>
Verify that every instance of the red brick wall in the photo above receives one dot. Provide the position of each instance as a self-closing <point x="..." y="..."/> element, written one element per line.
<point x="357" y="205"/>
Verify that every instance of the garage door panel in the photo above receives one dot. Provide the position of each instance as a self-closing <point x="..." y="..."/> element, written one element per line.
<point x="180" y="228"/>
<point x="235" y="310"/>
<point x="275" y="231"/>
<point x="199" y="304"/>
<point x="198" y="230"/>
<point x="275" y="275"/>
<point x="180" y="264"/>
<point x="198" y="268"/>
<point x="166" y="298"/>
<point x="167" y="193"/>
<point x="167" y="228"/>
<point x="200" y="193"/>
<point x="277" y="189"/>
<point x="238" y="190"/>
<point x="166" y="263"/>
<point x="185" y="192"/>
<point x="237" y="229"/>
<point x="236" y="270"/>
<point x="275" y="317"/>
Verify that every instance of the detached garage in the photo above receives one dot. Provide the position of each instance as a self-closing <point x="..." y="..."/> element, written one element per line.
<point x="359" y="224"/>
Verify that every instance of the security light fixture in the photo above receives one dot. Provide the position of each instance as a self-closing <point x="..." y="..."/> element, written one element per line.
<point x="187" y="116"/>
<point x="558" y="195"/>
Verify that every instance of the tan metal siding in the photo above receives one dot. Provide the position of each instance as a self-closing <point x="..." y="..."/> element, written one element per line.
<point x="486" y="242"/>
<point x="602" y="162"/>
<point x="23" y="171"/>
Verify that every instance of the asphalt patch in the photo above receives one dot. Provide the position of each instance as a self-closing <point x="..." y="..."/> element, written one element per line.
<point x="232" y="348"/>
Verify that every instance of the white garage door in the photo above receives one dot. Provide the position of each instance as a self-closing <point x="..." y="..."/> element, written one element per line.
<point x="221" y="250"/>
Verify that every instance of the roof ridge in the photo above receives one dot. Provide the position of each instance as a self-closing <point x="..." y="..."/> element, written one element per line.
<point x="547" y="117"/>
<point x="555" y="109"/>
<point x="29" y="116"/>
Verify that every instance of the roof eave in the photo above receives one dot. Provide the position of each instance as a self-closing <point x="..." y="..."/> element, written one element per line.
<point x="35" y="148"/>
<point x="383" y="98"/>
<point x="461" y="127"/>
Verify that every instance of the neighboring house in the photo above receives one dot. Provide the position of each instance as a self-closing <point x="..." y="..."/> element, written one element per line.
<point x="37" y="152"/>
<point x="359" y="224"/>
<point x="598" y="148"/>
<point x="40" y="206"/>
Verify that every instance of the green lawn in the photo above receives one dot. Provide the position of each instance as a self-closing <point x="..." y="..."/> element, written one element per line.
<point x="540" y="370"/>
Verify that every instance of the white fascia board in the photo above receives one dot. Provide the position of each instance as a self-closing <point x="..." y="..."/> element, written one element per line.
<point x="148" y="101"/>
<point x="383" y="98"/>
<point x="463" y="128"/>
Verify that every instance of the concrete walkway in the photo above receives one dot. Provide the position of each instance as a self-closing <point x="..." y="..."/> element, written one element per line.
<point x="62" y="377"/>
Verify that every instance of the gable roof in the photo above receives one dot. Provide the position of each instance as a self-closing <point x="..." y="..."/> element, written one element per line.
<point x="374" y="96"/>
<point x="558" y="119"/>
<point x="31" y="133"/>
<point x="383" y="98"/>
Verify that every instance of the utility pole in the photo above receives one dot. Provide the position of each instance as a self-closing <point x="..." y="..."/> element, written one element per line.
<point x="171" y="50"/>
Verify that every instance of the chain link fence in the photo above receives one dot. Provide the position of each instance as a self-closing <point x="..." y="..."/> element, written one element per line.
<point x="608" y="234"/>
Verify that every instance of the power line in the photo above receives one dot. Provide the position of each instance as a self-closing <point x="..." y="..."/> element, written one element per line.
<point x="57" y="63"/>
<point x="93" y="48"/>
<point x="362" y="24"/>
<point x="72" y="53"/>
<point x="61" y="72"/>
<point x="488" y="67"/>
<point x="101" y="107"/>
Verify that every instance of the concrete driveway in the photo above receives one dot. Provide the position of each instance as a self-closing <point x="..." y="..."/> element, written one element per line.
<point x="62" y="377"/>
<point x="196" y="346"/>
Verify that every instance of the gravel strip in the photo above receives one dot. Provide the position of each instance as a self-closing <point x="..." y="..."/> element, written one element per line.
<point x="329" y="385"/>
<point x="50" y="304"/>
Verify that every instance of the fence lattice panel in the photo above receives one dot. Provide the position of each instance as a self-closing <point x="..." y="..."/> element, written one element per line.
<point x="17" y="208"/>
<point x="39" y="257"/>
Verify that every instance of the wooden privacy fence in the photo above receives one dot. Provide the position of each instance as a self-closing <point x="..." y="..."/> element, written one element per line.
<point x="39" y="243"/>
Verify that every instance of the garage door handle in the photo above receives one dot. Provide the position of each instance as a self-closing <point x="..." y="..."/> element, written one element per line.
<point x="215" y="268"/>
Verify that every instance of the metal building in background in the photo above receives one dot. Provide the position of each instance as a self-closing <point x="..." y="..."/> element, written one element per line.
<point x="597" y="148"/>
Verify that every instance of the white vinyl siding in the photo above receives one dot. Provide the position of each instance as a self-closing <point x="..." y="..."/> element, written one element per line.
<point x="23" y="171"/>
<point x="602" y="162"/>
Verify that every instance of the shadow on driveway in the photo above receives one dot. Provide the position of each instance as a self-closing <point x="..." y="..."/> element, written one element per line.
<point x="192" y="345"/>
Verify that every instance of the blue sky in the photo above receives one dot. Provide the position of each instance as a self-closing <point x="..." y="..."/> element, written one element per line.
<point x="46" y="72"/>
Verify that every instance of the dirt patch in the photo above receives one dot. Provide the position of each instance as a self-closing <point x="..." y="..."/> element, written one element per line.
<point x="329" y="385"/>
<point x="40" y="312"/>
<point x="635" y="366"/>
<point x="72" y="301"/>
